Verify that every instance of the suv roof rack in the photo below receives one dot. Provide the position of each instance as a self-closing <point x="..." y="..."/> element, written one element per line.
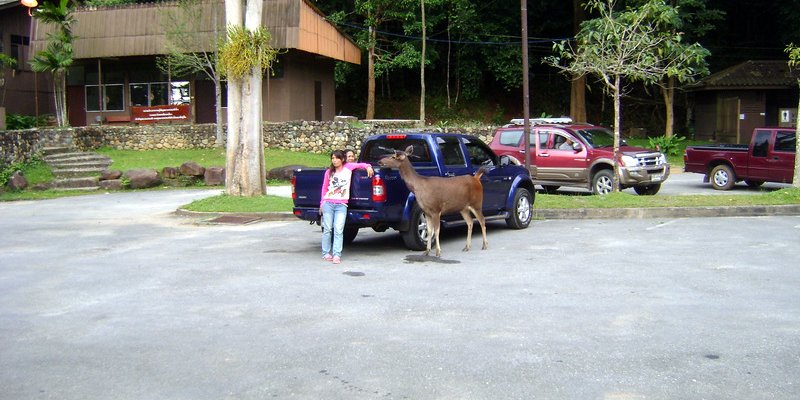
<point x="539" y="121"/>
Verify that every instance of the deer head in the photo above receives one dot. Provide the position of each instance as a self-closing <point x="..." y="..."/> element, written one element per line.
<point x="394" y="160"/>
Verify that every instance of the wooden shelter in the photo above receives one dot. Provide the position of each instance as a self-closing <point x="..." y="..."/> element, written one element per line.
<point x="22" y="91"/>
<point x="116" y="49"/>
<point x="729" y="104"/>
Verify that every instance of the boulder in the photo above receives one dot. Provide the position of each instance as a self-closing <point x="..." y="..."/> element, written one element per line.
<point x="17" y="181"/>
<point x="283" y="173"/>
<point x="191" y="168"/>
<point x="142" y="178"/>
<point x="170" y="173"/>
<point x="110" y="174"/>
<point x="214" y="176"/>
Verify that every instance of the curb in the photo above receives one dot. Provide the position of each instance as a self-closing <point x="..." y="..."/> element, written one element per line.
<point x="668" y="212"/>
<point x="265" y="216"/>
<point x="577" y="213"/>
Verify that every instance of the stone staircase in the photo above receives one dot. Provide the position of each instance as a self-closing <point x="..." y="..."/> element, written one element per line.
<point x="74" y="169"/>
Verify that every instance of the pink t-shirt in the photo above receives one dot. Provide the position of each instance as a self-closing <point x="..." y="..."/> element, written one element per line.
<point x="336" y="188"/>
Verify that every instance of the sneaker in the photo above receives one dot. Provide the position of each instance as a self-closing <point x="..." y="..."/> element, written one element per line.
<point x="337" y="260"/>
<point x="327" y="257"/>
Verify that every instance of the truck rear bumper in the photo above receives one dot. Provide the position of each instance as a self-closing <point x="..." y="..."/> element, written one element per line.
<point x="644" y="176"/>
<point x="360" y="218"/>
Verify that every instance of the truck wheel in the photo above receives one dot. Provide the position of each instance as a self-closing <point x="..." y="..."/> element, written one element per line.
<point x="522" y="213"/>
<point x="350" y="234"/>
<point x="416" y="237"/>
<point x="722" y="177"/>
<point x="550" y="189"/>
<point x="754" y="184"/>
<point x="647" y="190"/>
<point x="603" y="182"/>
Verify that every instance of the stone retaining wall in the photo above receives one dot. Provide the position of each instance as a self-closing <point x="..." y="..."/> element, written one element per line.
<point x="302" y="136"/>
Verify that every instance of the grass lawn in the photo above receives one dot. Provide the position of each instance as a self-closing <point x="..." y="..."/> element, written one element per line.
<point x="158" y="159"/>
<point x="37" y="172"/>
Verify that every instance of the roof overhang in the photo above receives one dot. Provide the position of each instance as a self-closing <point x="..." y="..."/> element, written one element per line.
<point x="139" y="30"/>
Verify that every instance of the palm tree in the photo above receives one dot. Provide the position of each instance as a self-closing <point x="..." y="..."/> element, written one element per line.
<point x="57" y="57"/>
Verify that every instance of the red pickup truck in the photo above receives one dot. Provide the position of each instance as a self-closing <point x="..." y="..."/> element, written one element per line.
<point x="768" y="158"/>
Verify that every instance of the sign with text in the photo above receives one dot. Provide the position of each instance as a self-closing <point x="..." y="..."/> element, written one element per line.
<point x="174" y="112"/>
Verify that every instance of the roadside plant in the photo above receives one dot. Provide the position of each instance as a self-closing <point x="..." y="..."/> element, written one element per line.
<point x="669" y="145"/>
<point x="57" y="57"/>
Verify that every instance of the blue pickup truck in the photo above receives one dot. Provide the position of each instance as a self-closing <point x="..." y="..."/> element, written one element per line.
<point x="384" y="201"/>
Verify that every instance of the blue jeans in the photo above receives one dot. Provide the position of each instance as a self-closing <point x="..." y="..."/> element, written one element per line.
<point x="333" y="217"/>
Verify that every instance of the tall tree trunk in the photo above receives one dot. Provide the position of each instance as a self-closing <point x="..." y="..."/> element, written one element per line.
<point x="577" y="98"/>
<point x="371" y="75"/>
<point x="422" y="70"/>
<point x="447" y="78"/>
<point x="219" y="139"/>
<point x="669" y="103"/>
<point x="217" y="78"/>
<point x="59" y="94"/>
<point x="244" y="173"/>
<point x="617" y="129"/>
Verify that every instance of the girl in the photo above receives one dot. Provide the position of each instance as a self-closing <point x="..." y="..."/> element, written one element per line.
<point x="333" y="206"/>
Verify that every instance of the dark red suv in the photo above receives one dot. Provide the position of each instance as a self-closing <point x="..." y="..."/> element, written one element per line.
<point x="564" y="153"/>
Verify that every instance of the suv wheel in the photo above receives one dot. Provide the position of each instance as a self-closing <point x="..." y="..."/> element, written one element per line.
<point x="603" y="182"/>
<point x="522" y="213"/>
<point x="416" y="237"/>
<point x="647" y="190"/>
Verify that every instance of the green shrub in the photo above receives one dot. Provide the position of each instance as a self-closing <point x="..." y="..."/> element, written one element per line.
<point x="670" y="146"/>
<point x="17" y="121"/>
<point x="35" y="171"/>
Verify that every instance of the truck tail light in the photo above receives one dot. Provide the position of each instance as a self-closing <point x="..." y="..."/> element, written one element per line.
<point x="294" y="182"/>
<point x="378" y="188"/>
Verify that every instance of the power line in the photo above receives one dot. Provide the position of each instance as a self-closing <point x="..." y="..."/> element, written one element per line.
<point x="491" y="43"/>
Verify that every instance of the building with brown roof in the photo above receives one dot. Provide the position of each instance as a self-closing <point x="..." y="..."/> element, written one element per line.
<point x="115" y="77"/>
<point x="22" y="91"/>
<point x="729" y="104"/>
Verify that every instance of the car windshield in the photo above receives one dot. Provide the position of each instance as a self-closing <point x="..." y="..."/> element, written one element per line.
<point x="598" y="137"/>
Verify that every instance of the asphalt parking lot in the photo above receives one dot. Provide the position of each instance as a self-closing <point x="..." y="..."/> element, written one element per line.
<point x="114" y="297"/>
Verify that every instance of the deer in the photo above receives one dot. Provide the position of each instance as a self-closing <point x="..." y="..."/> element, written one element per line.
<point x="437" y="196"/>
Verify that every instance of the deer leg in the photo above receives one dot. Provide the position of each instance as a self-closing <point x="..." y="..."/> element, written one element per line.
<point x="429" y="225"/>
<point x="468" y="219"/>
<point x="436" y="224"/>
<point x="482" y="221"/>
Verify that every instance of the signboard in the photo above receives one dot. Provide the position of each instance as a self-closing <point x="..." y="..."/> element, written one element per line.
<point x="173" y="112"/>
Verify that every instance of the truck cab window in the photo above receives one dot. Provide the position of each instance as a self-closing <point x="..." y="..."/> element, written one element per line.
<point x="479" y="154"/>
<point x="785" y="141"/>
<point x="451" y="151"/>
<point x="761" y="143"/>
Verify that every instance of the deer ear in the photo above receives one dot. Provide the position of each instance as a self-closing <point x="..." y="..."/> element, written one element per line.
<point x="409" y="150"/>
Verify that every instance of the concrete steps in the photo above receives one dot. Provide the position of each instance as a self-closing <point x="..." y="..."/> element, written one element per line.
<point x="75" y="170"/>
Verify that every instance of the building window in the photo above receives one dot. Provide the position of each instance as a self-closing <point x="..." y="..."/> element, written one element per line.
<point x="160" y="93"/>
<point x="113" y="97"/>
<point x="180" y="93"/>
<point x="17" y="51"/>
<point x="149" y="94"/>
